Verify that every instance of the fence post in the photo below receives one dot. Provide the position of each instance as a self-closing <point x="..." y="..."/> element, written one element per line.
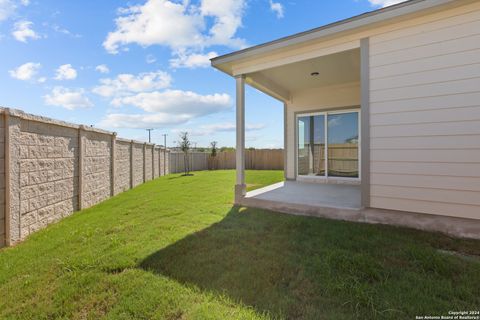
<point x="7" y="177"/>
<point x="144" y="162"/>
<point x="167" y="156"/>
<point x="81" y="151"/>
<point x="153" y="161"/>
<point x="112" y="163"/>
<point x="131" y="164"/>
<point x="159" y="161"/>
<point x="12" y="173"/>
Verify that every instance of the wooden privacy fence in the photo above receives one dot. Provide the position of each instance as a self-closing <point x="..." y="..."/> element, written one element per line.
<point x="261" y="159"/>
<point x="342" y="159"/>
<point x="197" y="161"/>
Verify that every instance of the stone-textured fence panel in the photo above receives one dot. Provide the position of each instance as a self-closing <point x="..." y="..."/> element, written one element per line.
<point x="47" y="161"/>
<point x="148" y="163"/>
<point x="164" y="162"/>
<point x="96" y="167"/>
<point x="2" y="182"/>
<point x="49" y="169"/>
<point x="137" y="172"/>
<point x="155" y="163"/>
<point x="122" y="165"/>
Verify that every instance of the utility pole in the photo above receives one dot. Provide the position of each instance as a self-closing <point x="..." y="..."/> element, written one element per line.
<point x="149" y="135"/>
<point x="165" y="153"/>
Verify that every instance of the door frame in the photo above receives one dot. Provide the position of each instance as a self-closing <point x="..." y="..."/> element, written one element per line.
<point x="326" y="112"/>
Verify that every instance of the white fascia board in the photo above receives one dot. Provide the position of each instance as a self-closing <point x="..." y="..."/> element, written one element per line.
<point x="364" y="20"/>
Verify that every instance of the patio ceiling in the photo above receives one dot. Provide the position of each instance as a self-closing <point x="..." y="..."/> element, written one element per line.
<point x="283" y="81"/>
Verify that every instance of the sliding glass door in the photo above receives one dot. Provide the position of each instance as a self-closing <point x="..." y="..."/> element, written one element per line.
<point x="343" y="145"/>
<point x="328" y="144"/>
<point x="311" y="145"/>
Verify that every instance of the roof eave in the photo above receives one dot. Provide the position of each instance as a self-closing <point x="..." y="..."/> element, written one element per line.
<point x="351" y="24"/>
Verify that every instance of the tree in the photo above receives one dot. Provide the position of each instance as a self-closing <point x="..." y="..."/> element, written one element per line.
<point x="213" y="154"/>
<point x="184" y="144"/>
<point x="213" y="148"/>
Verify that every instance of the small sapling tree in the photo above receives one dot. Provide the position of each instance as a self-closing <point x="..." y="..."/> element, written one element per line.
<point x="184" y="144"/>
<point x="213" y="154"/>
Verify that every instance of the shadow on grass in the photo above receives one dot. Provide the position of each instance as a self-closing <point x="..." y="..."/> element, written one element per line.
<point x="181" y="176"/>
<point x="309" y="268"/>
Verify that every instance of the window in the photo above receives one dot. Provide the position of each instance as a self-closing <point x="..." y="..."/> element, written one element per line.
<point x="329" y="135"/>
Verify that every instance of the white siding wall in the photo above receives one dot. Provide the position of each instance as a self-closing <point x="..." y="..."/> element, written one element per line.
<point x="323" y="98"/>
<point x="425" y="116"/>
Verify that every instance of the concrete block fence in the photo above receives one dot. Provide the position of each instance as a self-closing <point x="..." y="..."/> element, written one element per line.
<point x="50" y="168"/>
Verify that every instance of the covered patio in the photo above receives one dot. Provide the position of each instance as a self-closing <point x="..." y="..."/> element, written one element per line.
<point x="372" y="113"/>
<point x="319" y="88"/>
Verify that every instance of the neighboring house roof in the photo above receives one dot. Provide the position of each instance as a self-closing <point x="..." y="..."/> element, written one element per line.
<point x="364" y="20"/>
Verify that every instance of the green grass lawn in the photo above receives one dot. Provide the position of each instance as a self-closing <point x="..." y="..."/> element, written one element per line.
<point x="176" y="248"/>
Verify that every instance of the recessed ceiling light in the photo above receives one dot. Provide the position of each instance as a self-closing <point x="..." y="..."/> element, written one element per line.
<point x="314" y="74"/>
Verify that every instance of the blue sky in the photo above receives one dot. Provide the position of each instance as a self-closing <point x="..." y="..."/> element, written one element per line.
<point x="127" y="66"/>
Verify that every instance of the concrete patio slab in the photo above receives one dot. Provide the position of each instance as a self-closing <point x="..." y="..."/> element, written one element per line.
<point x="342" y="202"/>
<point x="338" y="196"/>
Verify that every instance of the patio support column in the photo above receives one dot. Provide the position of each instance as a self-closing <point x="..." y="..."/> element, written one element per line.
<point x="365" y="121"/>
<point x="240" y="187"/>
<point x="285" y="141"/>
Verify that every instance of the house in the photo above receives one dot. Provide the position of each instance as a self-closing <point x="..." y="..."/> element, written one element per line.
<point x="382" y="117"/>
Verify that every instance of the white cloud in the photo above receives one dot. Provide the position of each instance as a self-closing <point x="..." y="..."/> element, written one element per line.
<point x="65" y="72"/>
<point x="150" y="59"/>
<point x="228" y="18"/>
<point x="252" y="137"/>
<point x="385" y="3"/>
<point x="211" y="129"/>
<point x="26" y="71"/>
<point x="156" y="22"/>
<point x="334" y="122"/>
<point x="68" y="98"/>
<point x="126" y="83"/>
<point x="102" y="68"/>
<point x="177" y="102"/>
<point x="179" y="26"/>
<point x="65" y="31"/>
<point x="170" y="107"/>
<point x="219" y="127"/>
<point x="22" y="31"/>
<point x="230" y="126"/>
<point x="140" y="121"/>
<point x="277" y="7"/>
<point x="159" y="105"/>
<point x="194" y="60"/>
<point x="8" y="7"/>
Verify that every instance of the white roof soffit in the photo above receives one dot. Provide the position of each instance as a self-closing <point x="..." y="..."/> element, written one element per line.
<point x="282" y="81"/>
<point x="269" y="87"/>
<point x="364" y="20"/>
